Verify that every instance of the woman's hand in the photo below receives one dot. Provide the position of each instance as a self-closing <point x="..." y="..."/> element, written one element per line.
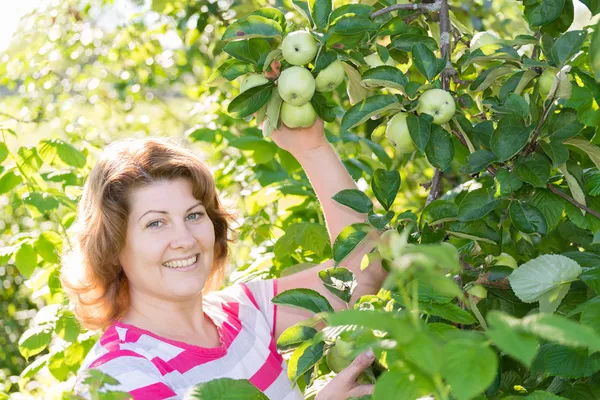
<point x="300" y="140"/>
<point x="344" y="384"/>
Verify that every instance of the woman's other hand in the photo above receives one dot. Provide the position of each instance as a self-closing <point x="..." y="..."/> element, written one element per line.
<point x="344" y="385"/>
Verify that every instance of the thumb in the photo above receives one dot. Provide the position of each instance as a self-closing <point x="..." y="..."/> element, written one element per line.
<point x="360" y="363"/>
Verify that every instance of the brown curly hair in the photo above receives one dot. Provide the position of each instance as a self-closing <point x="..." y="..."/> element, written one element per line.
<point x="91" y="274"/>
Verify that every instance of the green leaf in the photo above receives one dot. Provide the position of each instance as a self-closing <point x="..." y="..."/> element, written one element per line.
<point x="449" y="311"/>
<point x="306" y="299"/>
<point x="304" y="358"/>
<point x="478" y="161"/>
<point x="323" y="60"/>
<point x="3" y="151"/>
<point x="550" y="205"/>
<point x="400" y="382"/>
<point x="339" y="281"/>
<point x="350" y="24"/>
<point x="519" y="345"/>
<point x="439" y="211"/>
<point x="272" y="112"/>
<point x="230" y="70"/>
<point x="10" y="180"/>
<point x="294" y="336"/>
<point x="592" y="150"/>
<point x="561" y="330"/>
<point x="562" y="125"/>
<point x="49" y="246"/>
<point x="310" y="236"/>
<point x="507" y="182"/>
<point x="348" y="239"/>
<point x="576" y="190"/>
<point x="567" y="45"/>
<point x="542" y="274"/>
<point x="225" y="389"/>
<point x="426" y="62"/>
<point x="592" y="185"/>
<point x="253" y="51"/>
<point x="570" y="363"/>
<point x="513" y="104"/>
<point x="356" y="91"/>
<point x="594" y="52"/>
<point x="324" y="109"/>
<point x="405" y="42"/>
<point x="380" y="221"/>
<point x="363" y="10"/>
<point x="558" y="152"/>
<point x="302" y="7"/>
<point x="26" y="259"/>
<point x="50" y="148"/>
<point x="355" y="199"/>
<point x="542" y="12"/>
<point x="488" y="77"/>
<point x="319" y="12"/>
<point x="250" y="101"/>
<point x="510" y="136"/>
<point x="528" y="219"/>
<point x="440" y="148"/>
<point x="476" y="204"/>
<point x="385" y="185"/>
<point x="463" y="354"/>
<point x="384" y="76"/>
<point x="369" y="107"/>
<point x="419" y="127"/>
<point x="34" y="340"/>
<point x="399" y="326"/>
<point x="43" y="202"/>
<point x="550" y="300"/>
<point x="533" y="169"/>
<point x="252" y="26"/>
<point x="476" y="230"/>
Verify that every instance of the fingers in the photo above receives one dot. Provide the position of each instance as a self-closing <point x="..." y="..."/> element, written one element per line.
<point x="360" y="363"/>
<point x="361" y="390"/>
<point x="275" y="70"/>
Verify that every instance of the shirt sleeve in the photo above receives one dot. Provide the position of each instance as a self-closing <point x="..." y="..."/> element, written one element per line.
<point x="136" y="375"/>
<point x="261" y="293"/>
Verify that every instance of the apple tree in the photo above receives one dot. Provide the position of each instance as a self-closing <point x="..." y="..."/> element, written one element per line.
<point x="470" y="128"/>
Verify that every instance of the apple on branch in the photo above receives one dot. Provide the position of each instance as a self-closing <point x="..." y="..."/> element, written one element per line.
<point x="375" y="61"/>
<point x="330" y="77"/>
<point x="398" y="134"/>
<point x="439" y="104"/>
<point x="299" y="48"/>
<point x="296" y="85"/>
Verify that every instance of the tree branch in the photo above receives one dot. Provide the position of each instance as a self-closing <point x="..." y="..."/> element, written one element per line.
<point x="435" y="189"/>
<point x="427" y="7"/>
<point x="571" y="200"/>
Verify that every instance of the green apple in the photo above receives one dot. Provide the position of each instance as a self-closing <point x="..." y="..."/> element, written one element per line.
<point x="375" y="61"/>
<point x="296" y="85"/>
<point x="339" y="356"/>
<point x="439" y="104"/>
<point x="398" y="134"/>
<point x="298" y="116"/>
<point x="478" y="291"/>
<point x="252" y="80"/>
<point x="299" y="48"/>
<point x="331" y="77"/>
<point x="545" y="81"/>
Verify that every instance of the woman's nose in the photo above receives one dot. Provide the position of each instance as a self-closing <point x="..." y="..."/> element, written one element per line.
<point x="183" y="237"/>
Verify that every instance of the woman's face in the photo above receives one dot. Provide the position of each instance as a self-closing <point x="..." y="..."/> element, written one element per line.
<point x="169" y="248"/>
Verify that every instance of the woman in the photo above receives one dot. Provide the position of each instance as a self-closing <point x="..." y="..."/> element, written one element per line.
<point x="148" y="259"/>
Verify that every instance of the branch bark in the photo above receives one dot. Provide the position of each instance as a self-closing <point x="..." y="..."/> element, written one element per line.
<point x="416" y="6"/>
<point x="571" y="200"/>
<point x="435" y="189"/>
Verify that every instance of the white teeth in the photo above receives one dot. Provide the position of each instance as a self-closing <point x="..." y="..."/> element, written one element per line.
<point x="181" y="263"/>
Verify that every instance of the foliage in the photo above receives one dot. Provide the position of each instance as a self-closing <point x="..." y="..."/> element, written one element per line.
<point x="518" y="165"/>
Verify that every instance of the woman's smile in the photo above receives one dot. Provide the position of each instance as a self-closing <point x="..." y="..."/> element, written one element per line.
<point x="186" y="264"/>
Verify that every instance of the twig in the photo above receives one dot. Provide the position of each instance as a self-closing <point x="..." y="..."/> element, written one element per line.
<point x="536" y="46"/>
<point x="435" y="189"/>
<point x="571" y="200"/>
<point x="536" y="131"/>
<point x="416" y="6"/>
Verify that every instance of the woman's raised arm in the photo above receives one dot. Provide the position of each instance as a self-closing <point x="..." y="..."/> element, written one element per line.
<point x="328" y="176"/>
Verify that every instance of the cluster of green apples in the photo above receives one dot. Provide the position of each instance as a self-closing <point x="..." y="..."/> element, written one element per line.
<point x="436" y="102"/>
<point x="296" y="84"/>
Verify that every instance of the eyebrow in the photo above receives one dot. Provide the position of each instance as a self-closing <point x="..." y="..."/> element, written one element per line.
<point x="165" y="212"/>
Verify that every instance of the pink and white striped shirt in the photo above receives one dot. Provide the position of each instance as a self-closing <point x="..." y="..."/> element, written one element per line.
<point x="152" y="367"/>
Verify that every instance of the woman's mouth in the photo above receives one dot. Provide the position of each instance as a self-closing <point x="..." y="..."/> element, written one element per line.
<point x="182" y="265"/>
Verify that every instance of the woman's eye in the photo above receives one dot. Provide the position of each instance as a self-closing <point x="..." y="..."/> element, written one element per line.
<point x="195" y="216"/>
<point x="154" y="224"/>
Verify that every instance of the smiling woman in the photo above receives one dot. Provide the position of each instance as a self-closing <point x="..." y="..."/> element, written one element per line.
<point x="147" y="262"/>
